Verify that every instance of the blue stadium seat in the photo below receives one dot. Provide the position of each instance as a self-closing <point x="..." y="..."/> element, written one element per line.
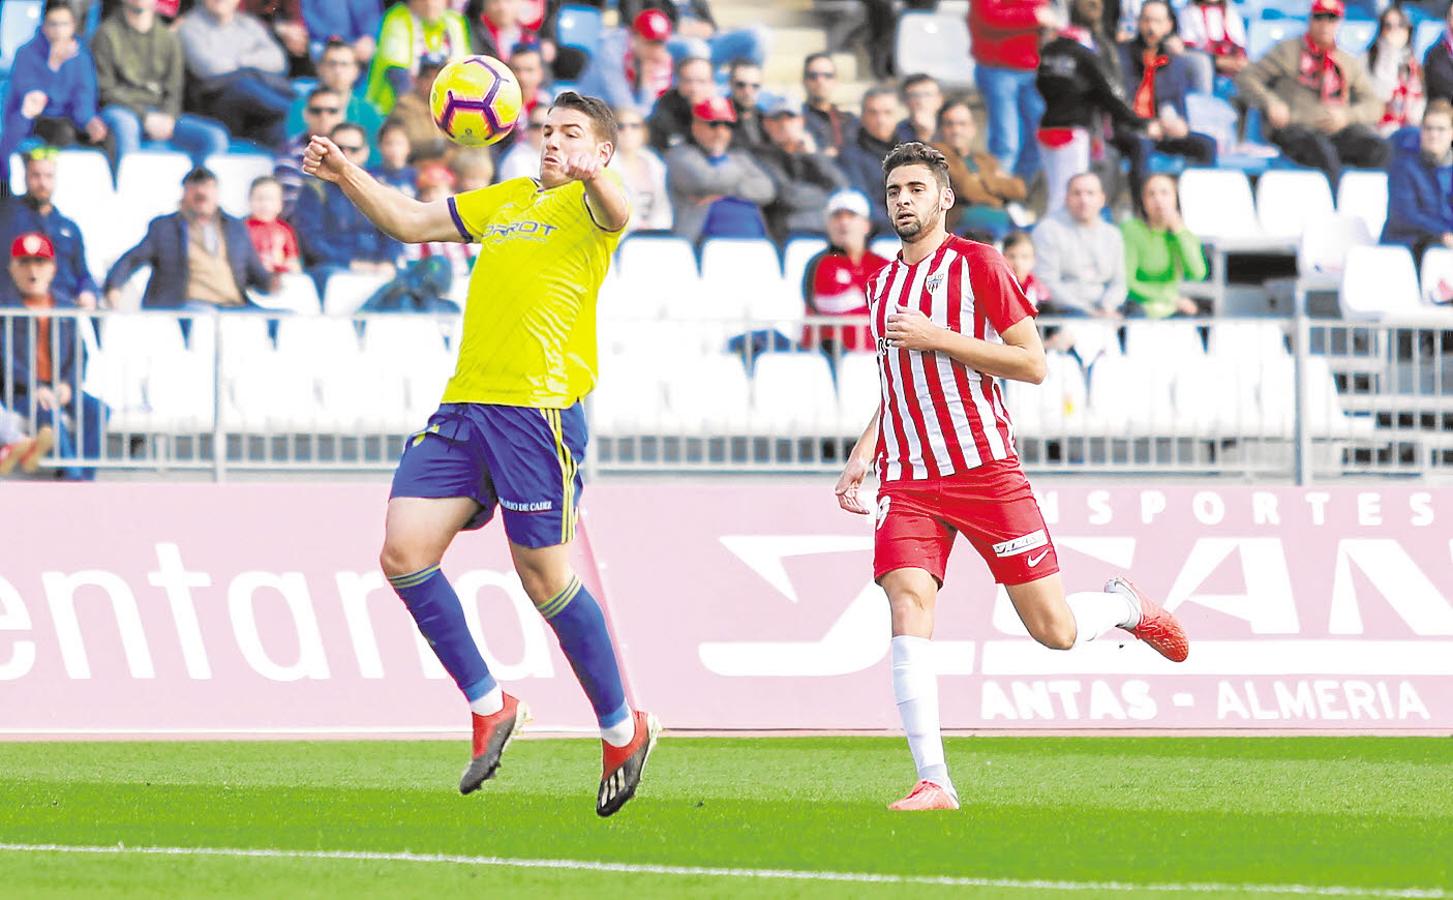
<point x="1427" y="35"/>
<point x="580" y="27"/>
<point x="1263" y="34"/>
<point x="1355" y="36"/>
<point x="19" y="21"/>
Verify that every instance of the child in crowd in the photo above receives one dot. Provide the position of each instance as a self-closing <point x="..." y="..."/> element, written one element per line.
<point x="1019" y="254"/>
<point x="394" y="148"/>
<point x="274" y="239"/>
<point x="473" y="169"/>
<point x="437" y="182"/>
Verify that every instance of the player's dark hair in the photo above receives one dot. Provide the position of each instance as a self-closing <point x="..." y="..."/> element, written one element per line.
<point x="262" y="181"/>
<point x="595" y="109"/>
<point x="1015" y="238"/>
<point x="914" y="153"/>
<point x="953" y="102"/>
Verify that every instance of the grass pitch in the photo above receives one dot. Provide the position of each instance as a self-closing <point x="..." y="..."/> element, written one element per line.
<point x="1096" y="816"/>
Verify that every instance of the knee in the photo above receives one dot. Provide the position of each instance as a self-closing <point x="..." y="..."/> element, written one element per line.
<point x="400" y="556"/>
<point x="910" y="600"/>
<point x="543" y="584"/>
<point x="1056" y="634"/>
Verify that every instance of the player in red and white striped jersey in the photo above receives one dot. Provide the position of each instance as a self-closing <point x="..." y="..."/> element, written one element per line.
<point x="949" y="319"/>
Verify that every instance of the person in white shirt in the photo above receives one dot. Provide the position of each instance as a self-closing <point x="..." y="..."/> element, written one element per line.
<point x="642" y="171"/>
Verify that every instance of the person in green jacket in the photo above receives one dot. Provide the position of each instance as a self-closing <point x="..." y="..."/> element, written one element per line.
<point x="1160" y="254"/>
<point x="409" y="32"/>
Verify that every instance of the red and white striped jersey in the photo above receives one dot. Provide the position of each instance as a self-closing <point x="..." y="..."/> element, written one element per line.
<point x="940" y="417"/>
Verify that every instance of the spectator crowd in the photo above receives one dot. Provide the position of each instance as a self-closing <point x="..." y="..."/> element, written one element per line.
<point x="1078" y="110"/>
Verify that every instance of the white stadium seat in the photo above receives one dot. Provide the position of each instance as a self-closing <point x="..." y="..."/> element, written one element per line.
<point x="1168" y="342"/>
<point x="1325" y="242"/>
<point x="628" y="398"/>
<point x="1437" y="277"/>
<point x="1243" y="339"/>
<point x="859" y="390"/>
<point x="1217" y="204"/>
<point x="271" y="395"/>
<point x="356" y="396"/>
<point x="709" y="394"/>
<point x="179" y="393"/>
<point x="1287" y="200"/>
<point x="403" y="337"/>
<point x="737" y="275"/>
<point x="1379" y="282"/>
<point x="1263" y="34"/>
<point x="793" y="394"/>
<point x="1428" y="34"/>
<point x="660" y="271"/>
<point x="346" y="292"/>
<point x="1129" y="396"/>
<point x="796" y="255"/>
<point x="296" y="293"/>
<point x="235" y="173"/>
<point x="149" y="183"/>
<point x="936" y="43"/>
<point x="1364" y="194"/>
<point x="324" y="340"/>
<point x="1057" y="406"/>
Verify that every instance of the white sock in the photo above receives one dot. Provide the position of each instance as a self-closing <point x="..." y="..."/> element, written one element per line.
<point x="489" y="704"/>
<point x="915" y="686"/>
<point x="1096" y="612"/>
<point x="622" y="732"/>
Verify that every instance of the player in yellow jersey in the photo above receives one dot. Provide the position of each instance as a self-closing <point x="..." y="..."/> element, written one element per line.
<point x="511" y="431"/>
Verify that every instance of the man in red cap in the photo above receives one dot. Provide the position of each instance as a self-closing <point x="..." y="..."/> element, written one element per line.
<point x="633" y="66"/>
<point x="716" y="191"/>
<point x="1319" y="104"/>
<point x="45" y="358"/>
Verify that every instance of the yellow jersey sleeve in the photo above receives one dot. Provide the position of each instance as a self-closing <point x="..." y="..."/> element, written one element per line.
<point x="473" y="211"/>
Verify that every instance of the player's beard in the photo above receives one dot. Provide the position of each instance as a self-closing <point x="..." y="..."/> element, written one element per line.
<point x="917" y="225"/>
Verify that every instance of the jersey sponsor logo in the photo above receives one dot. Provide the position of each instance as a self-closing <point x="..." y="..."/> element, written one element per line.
<point x="537" y="506"/>
<point x="882" y="514"/>
<point x="528" y="229"/>
<point x="1032" y="541"/>
<point x="882" y="346"/>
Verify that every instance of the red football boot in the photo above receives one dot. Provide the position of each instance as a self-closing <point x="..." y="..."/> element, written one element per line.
<point x="492" y="734"/>
<point x="1157" y="627"/>
<point x="622" y="767"/>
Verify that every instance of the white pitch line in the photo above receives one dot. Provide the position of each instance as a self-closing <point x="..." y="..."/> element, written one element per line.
<point x="582" y="865"/>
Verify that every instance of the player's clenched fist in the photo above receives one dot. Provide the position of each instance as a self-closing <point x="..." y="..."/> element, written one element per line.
<point x="322" y="159"/>
<point x="582" y="166"/>
<point x="909" y="329"/>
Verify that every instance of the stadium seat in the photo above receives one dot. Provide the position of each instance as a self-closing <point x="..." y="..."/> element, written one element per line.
<point x="580" y="27"/>
<point x="296" y="293"/>
<point x="1166" y="342"/>
<point x="629" y="398"/>
<point x="737" y="276"/>
<point x="793" y="394"/>
<point x="346" y="292"/>
<point x="1326" y="416"/>
<point x="1324" y="247"/>
<point x="859" y="390"/>
<point x="1355" y="36"/>
<point x="149" y="183"/>
<point x="271" y="396"/>
<point x="325" y="341"/>
<point x="1379" y="282"/>
<point x="1213" y="116"/>
<point x="1436" y="278"/>
<point x="179" y="394"/>
<point x="1094" y="340"/>
<point x="1129" y="397"/>
<point x="1263" y="34"/>
<point x="140" y="335"/>
<point x="403" y="337"/>
<point x="1217" y="204"/>
<point x="1363" y="193"/>
<point x="235" y="173"/>
<point x="937" y="43"/>
<point x="1426" y="36"/>
<point x="355" y="396"/>
<point x="1057" y="406"/>
<point x="245" y="339"/>
<point x="1288" y="199"/>
<point x="708" y="394"/>
<point x="796" y="255"/>
<point x="1210" y="397"/>
<point x="660" y="272"/>
<point x="19" y="21"/>
<point x="1248" y="339"/>
<point x="426" y="379"/>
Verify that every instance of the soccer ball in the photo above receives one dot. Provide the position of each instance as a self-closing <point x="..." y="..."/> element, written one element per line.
<point x="476" y="101"/>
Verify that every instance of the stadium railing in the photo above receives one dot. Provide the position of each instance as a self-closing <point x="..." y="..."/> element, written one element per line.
<point x="1266" y="399"/>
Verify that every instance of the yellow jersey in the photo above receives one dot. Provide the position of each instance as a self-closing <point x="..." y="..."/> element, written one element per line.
<point x="529" y="322"/>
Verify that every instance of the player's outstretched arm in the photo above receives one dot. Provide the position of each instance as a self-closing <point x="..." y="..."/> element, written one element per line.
<point x="1019" y="358"/>
<point x="400" y="217"/>
<point x="859" y="463"/>
<point x="604" y="195"/>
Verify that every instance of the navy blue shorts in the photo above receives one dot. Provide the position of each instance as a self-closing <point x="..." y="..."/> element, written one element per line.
<point x="523" y="459"/>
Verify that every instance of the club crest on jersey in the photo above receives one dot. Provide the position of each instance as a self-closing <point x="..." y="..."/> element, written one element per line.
<point x="933" y="282"/>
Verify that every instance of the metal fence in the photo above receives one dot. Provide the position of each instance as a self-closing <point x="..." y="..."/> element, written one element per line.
<point x="1272" y="399"/>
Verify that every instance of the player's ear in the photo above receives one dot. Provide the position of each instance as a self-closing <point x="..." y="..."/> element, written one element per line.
<point x="946" y="199"/>
<point x="606" y="150"/>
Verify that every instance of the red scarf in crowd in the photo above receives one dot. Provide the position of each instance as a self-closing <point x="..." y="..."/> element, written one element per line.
<point x="1318" y="70"/>
<point x="1145" y="94"/>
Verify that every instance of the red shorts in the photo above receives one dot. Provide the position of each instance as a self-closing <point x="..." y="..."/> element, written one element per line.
<point x="992" y="505"/>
